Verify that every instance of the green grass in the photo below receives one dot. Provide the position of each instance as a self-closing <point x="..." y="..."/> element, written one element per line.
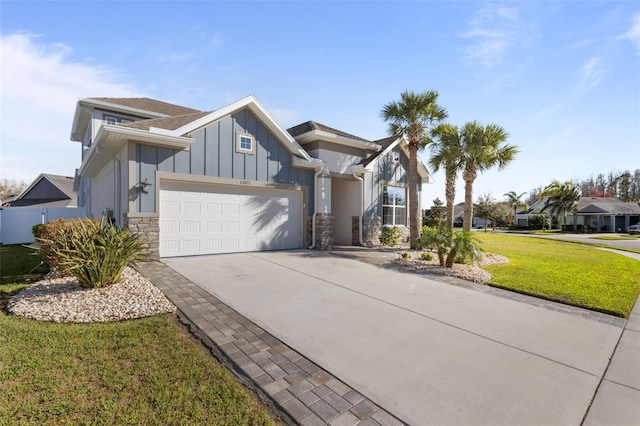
<point x="146" y="371"/>
<point x="569" y="273"/>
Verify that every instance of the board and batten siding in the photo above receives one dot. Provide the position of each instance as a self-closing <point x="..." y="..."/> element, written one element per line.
<point x="214" y="154"/>
<point x="386" y="172"/>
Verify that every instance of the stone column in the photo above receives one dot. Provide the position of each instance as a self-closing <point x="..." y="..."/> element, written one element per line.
<point x="147" y="225"/>
<point x="325" y="231"/>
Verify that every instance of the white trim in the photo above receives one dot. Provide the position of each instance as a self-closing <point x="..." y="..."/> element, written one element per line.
<point x="323" y="135"/>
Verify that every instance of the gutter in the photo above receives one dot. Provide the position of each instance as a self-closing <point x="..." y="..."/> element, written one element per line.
<point x="319" y="169"/>
<point x="354" y="170"/>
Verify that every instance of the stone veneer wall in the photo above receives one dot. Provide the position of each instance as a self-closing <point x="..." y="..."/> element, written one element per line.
<point x="325" y="231"/>
<point x="371" y="228"/>
<point x="148" y="226"/>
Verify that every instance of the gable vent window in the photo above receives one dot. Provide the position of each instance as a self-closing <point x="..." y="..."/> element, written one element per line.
<point x="395" y="157"/>
<point x="245" y="143"/>
<point x="113" y="120"/>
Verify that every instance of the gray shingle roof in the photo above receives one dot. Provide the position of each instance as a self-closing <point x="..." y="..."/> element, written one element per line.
<point x="309" y="126"/>
<point x="382" y="142"/>
<point x="168" y="123"/>
<point x="149" y="104"/>
<point x="595" y="205"/>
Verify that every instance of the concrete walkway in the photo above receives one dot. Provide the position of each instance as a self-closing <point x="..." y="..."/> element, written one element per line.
<point x="425" y="351"/>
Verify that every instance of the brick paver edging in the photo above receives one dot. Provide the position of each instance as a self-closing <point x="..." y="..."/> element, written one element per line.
<point x="297" y="389"/>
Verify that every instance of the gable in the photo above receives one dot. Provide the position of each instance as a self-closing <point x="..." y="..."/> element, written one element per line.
<point x="44" y="190"/>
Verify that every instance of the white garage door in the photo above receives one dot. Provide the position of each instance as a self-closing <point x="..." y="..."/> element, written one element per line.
<point x="208" y="219"/>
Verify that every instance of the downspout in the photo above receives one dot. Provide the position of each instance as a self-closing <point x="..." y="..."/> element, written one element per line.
<point x="354" y="170"/>
<point x="315" y="208"/>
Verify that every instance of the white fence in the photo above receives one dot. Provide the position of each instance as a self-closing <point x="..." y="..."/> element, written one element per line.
<point x="16" y="222"/>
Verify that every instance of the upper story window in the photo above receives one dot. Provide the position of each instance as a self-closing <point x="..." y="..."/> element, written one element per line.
<point x="245" y="143"/>
<point x="395" y="157"/>
<point x="394" y="206"/>
<point x="115" y="120"/>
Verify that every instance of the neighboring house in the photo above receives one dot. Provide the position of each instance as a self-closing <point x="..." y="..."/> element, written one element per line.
<point x="46" y="191"/>
<point x="599" y="214"/>
<point x="233" y="179"/>
<point x="458" y="215"/>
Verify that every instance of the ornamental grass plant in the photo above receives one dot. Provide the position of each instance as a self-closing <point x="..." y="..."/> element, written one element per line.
<point x="95" y="254"/>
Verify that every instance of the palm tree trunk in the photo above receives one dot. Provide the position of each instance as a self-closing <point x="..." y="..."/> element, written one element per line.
<point x="450" y="194"/>
<point x="414" y="204"/>
<point x="469" y="175"/>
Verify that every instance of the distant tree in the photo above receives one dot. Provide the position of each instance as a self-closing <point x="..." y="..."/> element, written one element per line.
<point x="514" y="202"/>
<point x="489" y="209"/>
<point x="483" y="147"/>
<point x="411" y="118"/>
<point x="561" y="198"/>
<point x="446" y="152"/>
<point x="11" y="186"/>
<point x="436" y="214"/>
<point x="534" y="195"/>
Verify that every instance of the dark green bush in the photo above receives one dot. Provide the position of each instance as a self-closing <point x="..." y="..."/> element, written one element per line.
<point x="390" y="236"/>
<point x="95" y="255"/>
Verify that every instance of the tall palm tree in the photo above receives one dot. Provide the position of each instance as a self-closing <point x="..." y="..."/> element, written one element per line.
<point x="514" y="202"/>
<point x="482" y="148"/>
<point x="561" y="198"/>
<point x="446" y="152"/>
<point x="411" y="118"/>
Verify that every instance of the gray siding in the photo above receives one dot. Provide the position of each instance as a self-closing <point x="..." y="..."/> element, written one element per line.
<point x="386" y="172"/>
<point x="214" y="154"/>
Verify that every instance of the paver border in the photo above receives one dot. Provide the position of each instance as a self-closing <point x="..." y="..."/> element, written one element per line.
<point x="298" y="390"/>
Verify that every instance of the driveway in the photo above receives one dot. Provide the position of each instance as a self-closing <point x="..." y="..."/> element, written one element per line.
<point x="428" y="352"/>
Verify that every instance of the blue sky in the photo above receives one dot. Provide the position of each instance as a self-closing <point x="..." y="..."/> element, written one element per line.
<point x="562" y="77"/>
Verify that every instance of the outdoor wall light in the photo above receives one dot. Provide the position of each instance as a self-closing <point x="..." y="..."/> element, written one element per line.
<point x="145" y="186"/>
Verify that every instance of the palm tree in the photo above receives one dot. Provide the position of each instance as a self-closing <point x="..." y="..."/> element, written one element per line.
<point x="561" y="198"/>
<point x="482" y="148"/>
<point x="411" y="118"/>
<point x="513" y="201"/>
<point x="446" y="152"/>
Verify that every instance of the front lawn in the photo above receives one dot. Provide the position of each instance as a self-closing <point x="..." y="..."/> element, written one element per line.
<point x="146" y="371"/>
<point x="564" y="272"/>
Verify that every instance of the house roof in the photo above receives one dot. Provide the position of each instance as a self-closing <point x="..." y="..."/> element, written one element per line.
<point x="384" y="143"/>
<point x="64" y="195"/>
<point x="167" y="123"/>
<point x="310" y="126"/>
<point x="594" y="206"/>
<point x="148" y="104"/>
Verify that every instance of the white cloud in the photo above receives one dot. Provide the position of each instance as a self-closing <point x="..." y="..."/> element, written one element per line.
<point x="634" y="32"/>
<point x="493" y="32"/>
<point x="591" y="74"/>
<point x="40" y="85"/>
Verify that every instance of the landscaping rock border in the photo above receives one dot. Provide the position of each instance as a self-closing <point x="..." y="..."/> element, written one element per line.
<point x="61" y="299"/>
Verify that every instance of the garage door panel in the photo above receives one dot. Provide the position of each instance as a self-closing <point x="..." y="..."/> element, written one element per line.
<point x="209" y="219"/>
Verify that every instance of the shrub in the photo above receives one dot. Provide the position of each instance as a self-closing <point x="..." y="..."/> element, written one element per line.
<point x="405" y="256"/>
<point x="539" y="221"/>
<point x="95" y="255"/>
<point x="451" y="246"/>
<point x="46" y="235"/>
<point x="390" y="236"/>
<point x="427" y="256"/>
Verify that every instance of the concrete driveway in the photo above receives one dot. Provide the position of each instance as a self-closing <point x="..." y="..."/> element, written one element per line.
<point x="426" y="351"/>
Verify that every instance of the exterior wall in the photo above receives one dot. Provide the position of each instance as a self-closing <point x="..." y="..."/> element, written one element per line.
<point x="147" y="226"/>
<point x="109" y="189"/>
<point x="345" y="202"/>
<point x="385" y="172"/>
<point x="338" y="159"/>
<point x="371" y="229"/>
<point x="214" y="154"/>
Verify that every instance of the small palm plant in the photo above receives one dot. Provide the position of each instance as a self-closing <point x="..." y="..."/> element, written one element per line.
<point x="451" y="246"/>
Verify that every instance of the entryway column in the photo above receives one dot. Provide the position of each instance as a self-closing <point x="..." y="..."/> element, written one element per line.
<point x="325" y="225"/>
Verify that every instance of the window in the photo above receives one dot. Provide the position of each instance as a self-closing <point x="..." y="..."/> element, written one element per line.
<point x="245" y="143"/>
<point x="395" y="156"/>
<point x="394" y="206"/>
<point x="112" y="119"/>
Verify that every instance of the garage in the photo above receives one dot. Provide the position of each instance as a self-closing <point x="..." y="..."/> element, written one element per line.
<point x="197" y="219"/>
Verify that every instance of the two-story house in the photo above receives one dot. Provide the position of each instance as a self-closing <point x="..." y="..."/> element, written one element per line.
<point x="233" y="179"/>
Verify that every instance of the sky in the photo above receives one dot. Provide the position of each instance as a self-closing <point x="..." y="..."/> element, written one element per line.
<point x="561" y="77"/>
